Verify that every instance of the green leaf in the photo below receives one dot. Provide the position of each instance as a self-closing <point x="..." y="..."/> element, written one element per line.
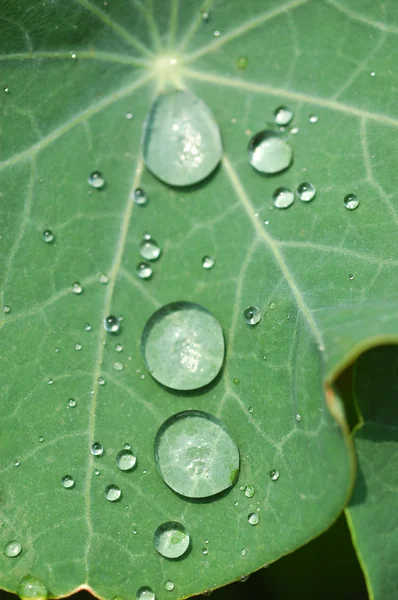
<point x="73" y="71"/>
<point x="373" y="506"/>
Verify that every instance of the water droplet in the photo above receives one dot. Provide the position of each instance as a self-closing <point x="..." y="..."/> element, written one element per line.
<point x="113" y="492"/>
<point x="243" y="551"/>
<point x="87" y="327"/>
<point x="129" y="116"/>
<point x="126" y="460"/>
<point x="78" y="346"/>
<point x="283" y="115"/>
<point x="183" y="346"/>
<point x="306" y="191"/>
<point x="272" y="305"/>
<point x="6" y="88"/>
<point x="134" y="532"/>
<point x="6" y="309"/>
<point x="31" y="587"/>
<point x="96" y="180"/>
<point x="12" y="548"/>
<point x="236" y="381"/>
<point x="127" y="446"/>
<point x="171" y="540"/>
<point x="351" y="276"/>
<point x="97" y="449"/>
<point x="294" y="130"/>
<point x="242" y="62"/>
<point x="236" y="503"/>
<point x="101" y="381"/>
<point x="118" y="366"/>
<point x="283" y="197"/>
<point x="250" y="409"/>
<point x="50" y="381"/>
<point x="207" y="593"/>
<point x="252" y="315"/>
<point x="67" y="482"/>
<point x="112" y="324"/>
<point x="269" y="153"/>
<point x="96" y="472"/>
<point x="216" y="33"/>
<point x="149" y="248"/>
<point x="169" y="585"/>
<point x="205" y="15"/>
<point x="181" y="139"/>
<point x="298" y="418"/>
<point x="139" y="197"/>
<point x="208" y="262"/>
<point x="351" y="201"/>
<point x="249" y="491"/>
<point x="143" y="270"/>
<point x="313" y="118"/>
<point x="145" y="593"/>
<point x="41" y="438"/>
<point x="73" y="55"/>
<point x="205" y="551"/>
<point x="196" y="455"/>
<point x="48" y="236"/>
<point x="103" y="278"/>
<point x="16" y="463"/>
<point x="372" y="73"/>
<point x="71" y="403"/>
<point x="253" y="518"/>
<point x="77" y="288"/>
<point x="118" y="347"/>
<point x="274" y="474"/>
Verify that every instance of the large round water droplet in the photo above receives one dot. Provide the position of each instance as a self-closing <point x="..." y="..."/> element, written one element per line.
<point x="351" y="201"/>
<point x="252" y="315"/>
<point x="145" y="593"/>
<point x="195" y="454"/>
<point x="183" y="346"/>
<point x="249" y="491"/>
<point x="171" y="540"/>
<point x="113" y="492"/>
<point x="126" y="460"/>
<point x="253" y="518"/>
<point x="48" y="236"/>
<point x="96" y="180"/>
<point x="283" y="115"/>
<point x="139" y="197"/>
<point x="31" y="587"/>
<point x="67" y="482"/>
<point x="306" y="191"/>
<point x="208" y="262"/>
<point x="181" y="139"/>
<point x="13" y="548"/>
<point x="169" y="585"/>
<point x="143" y="270"/>
<point x="269" y="153"/>
<point x="97" y="449"/>
<point x="112" y="324"/>
<point x="283" y="197"/>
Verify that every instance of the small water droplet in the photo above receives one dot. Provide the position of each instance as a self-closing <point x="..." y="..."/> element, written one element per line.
<point x="6" y="88"/>
<point x="71" y="403"/>
<point x="96" y="472"/>
<point x="351" y="201"/>
<point x="306" y="191"/>
<point x="118" y="366"/>
<point x="143" y="270"/>
<point x="242" y="62"/>
<point x="216" y="33"/>
<point x="145" y="593"/>
<point x="118" y="347"/>
<point x="243" y="578"/>
<point x="283" y="197"/>
<point x="313" y="118"/>
<point x="183" y="346"/>
<point x="129" y="116"/>
<point x="236" y="381"/>
<point x="351" y="276"/>
<point x="101" y="381"/>
<point x="266" y="222"/>
<point x="50" y="381"/>
<point x="31" y="587"/>
<point x="207" y="593"/>
<point x="12" y="548"/>
<point x="77" y="288"/>
<point x="127" y="446"/>
<point x="253" y="518"/>
<point x="149" y="248"/>
<point x="274" y="474"/>
<point x="181" y="140"/>
<point x="113" y="492"/>
<point x="6" y="309"/>
<point x="134" y="532"/>
<point x="250" y="409"/>
<point x="16" y="463"/>
<point x="283" y="115"/>
<point x="97" y="449"/>
<point x="78" y="346"/>
<point x="87" y="327"/>
<point x="41" y="438"/>
<point x="243" y="551"/>
<point x="169" y="585"/>
<point x="195" y="454"/>
<point x="249" y="491"/>
<point x="48" y="236"/>
<point x="68" y="482"/>
<point x="208" y="262"/>
<point x="272" y="305"/>
<point x="73" y="55"/>
<point x="103" y="278"/>
<point x="205" y="15"/>
<point x="269" y="153"/>
<point x="294" y="130"/>
<point x="298" y="418"/>
<point x="126" y="460"/>
<point x="112" y="324"/>
<point x="372" y="73"/>
<point x="252" y="315"/>
<point x="139" y="197"/>
<point x="205" y="551"/>
<point x="236" y="503"/>
<point x="96" y="180"/>
<point x="171" y="540"/>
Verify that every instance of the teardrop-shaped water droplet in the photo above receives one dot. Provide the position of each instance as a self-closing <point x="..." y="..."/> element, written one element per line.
<point x="112" y="324"/>
<point x="208" y="262"/>
<point x="113" y="492"/>
<point x="171" y="540"/>
<point x="71" y="403"/>
<point x="169" y="585"/>
<point x="283" y="115"/>
<point x="274" y="474"/>
<point x="77" y="288"/>
<point x="181" y="139"/>
<point x="183" y="346"/>
<point x="149" y="248"/>
<point x="67" y="482"/>
<point x="139" y="197"/>
<point x="306" y="191"/>
<point x="269" y="153"/>
<point x="253" y="518"/>
<point x="96" y="180"/>
<point x="145" y="593"/>
<point x="48" y="236"/>
<point x="351" y="201"/>
<point x="13" y="548"/>
<point x="249" y="491"/>
<point x="126" y="460"/>
<point x="283" y="197"/>
<point x="97" y="449"/>
<point x="143" y="270"/>
<point x="252" y="315"/>
<point x="32" y="587"/>
<point x="195" y="454"/>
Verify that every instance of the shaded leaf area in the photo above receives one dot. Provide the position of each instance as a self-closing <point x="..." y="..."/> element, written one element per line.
<point x="73" y="72"/>
<point x="372" y="512"/>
